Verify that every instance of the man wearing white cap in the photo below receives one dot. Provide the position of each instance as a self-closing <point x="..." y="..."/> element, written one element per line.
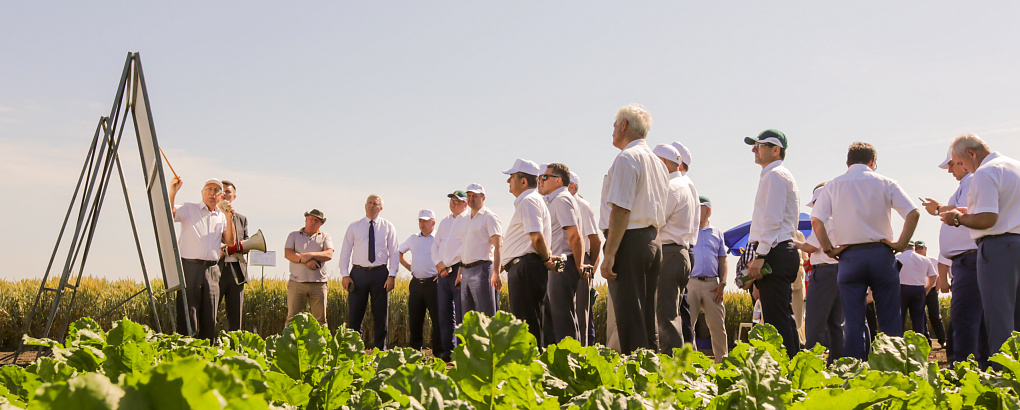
<point x="446" y="251"/>
<point x="823" y="313"/>
<point x="634" y="193"/>
<point x="561" y="318"/>
<point x="422" y="290"/>
<point x="480" y="256"/>
<point x="675" y="239"/>
<point x="592" y="247"/>
<point x="958" y="252"/>
<point x="526" y="256"/>
<point x="993" y="216"/>
<point x="684" y="167"/>
<point x="203" y="229"/>
<point x="370" y="245"/>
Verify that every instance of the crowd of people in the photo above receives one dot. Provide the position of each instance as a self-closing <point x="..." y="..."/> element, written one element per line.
<point x="652" y="241"/>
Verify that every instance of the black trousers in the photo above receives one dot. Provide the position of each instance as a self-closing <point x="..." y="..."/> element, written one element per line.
<point x="912" y="299"/>
<point x="422" y="295"/>
<point x="561" y="319"/>
<point x="633" y="291"/>
<point x="674" y="273"/>
<point x="527" y="280"/>
<point x="369" y="283"/>
<point x="449" y="312"/>
<point x="776" y="291"/>
<point x="685" y="309"/>
<point x="931" y="304"/>
<point x="823" y="321"/>
<point x="232" y="293"/>
<point x="202" y="287"/>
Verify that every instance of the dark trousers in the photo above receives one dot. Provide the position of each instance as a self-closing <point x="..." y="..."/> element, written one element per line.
<point x="423" y="295"/>
<point x="369" y="283"/>
<point x="561" y="319"/>
<point x="637" y="268"/>
<point x="860" y="269"/>
<point x="450" y="313"/>
<point x="476" y="291"/>
<point x="202" y="287"/>
<point x="931" y="305"/>
<point x="685" y="308"/>
<point x="232" y="293"/>
<point x="998" y="272"/>
<point x="912" y="301"/>
<point x="776" y="292"/>
<point x="527" y="280"/>
<point x="823" y="321"/>
<point x="966" y="316"/>
<point x="674" y="272"/>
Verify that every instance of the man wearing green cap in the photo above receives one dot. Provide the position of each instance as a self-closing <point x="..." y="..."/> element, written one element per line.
<point x="773" y="225"/>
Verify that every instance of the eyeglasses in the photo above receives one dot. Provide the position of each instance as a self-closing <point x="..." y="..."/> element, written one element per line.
<point x="545" y="177"/>
<point x="214" y="190"/>
<point x="763" y="144"/>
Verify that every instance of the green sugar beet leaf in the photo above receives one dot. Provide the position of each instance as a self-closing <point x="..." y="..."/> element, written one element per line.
<point x="283" y="389"/>
<point x="807" y="370"/>
<point x="765" y="336"/>
<point x="300" y="349"/>
<point x="603" y="399"/>
<point x="19" y="382"/>
<point x="85" y="332"/>
<point x="486" y="347"/>
<point x="567" y="361"/>
<point x="187" y="383"/>
<point x="128" y="350"/>
<point x="334" y="390"/>
<point x="51" y="370"/>
<point x="88" y="391"/>
<point x="907" y="355"/>
<point x="750" y="378"/>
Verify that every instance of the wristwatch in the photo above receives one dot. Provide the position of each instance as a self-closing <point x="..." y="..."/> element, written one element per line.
<point x="956" y="220"/>
<point x="760" y="255"/>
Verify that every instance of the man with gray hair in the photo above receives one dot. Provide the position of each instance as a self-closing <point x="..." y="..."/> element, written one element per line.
<point x="632" y="195"/>
<point x="592" y="247"/>
<point x="675" y="239"/>
<point x="993" y="216"/>
<point x="370" y="244"/>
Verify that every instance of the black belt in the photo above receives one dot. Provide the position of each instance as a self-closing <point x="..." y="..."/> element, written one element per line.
<point x="371" y="268"/>
<point x="676" y="244"/>
<point x="705" y="278"/>
<point x="519" y="259"/>
<point x="202" y="262"/>
<point x="473" y="264"/>
<point x="428" y="279"/>
<point x="979" y="240"/>
<point x="964" y="253"/>
<point x="869" y="245"/>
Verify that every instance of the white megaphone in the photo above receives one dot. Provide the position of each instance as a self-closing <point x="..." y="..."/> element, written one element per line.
<point x="255" y="243"/>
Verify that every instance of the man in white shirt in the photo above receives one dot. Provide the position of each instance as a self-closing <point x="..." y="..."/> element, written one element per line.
<point x="561" y="318"/>
<point x="708" y="280"/>
<point x="634" y="193"/>
<point x="993" y="216"/>
<point x="958" y="252"/>
<point x="917" y="276"/>
<point x="480" y="256"/>
<point x="860" y="203"/>
<point x="203" y="229"/>
<point x="446" y="250"/>
<point x="674" y="238"/>
<point x="592" y="247"/>
<point x="931" y="299"/>
<point x="823" y="313"/>
<point x="422" y="292"/>
<point x="684" y="167"/>
<point x="773" y="225"/>
<point x="370" y="245"/>
<point x="525" y="255"/>
<point x="308" y="249"/>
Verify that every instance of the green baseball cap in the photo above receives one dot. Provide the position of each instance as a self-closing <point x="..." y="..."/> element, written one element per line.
<point x="458" y="193"/>
<point x="705" y="201"/>
<point x="919" y="243"/>
<point x="771" y="136"/>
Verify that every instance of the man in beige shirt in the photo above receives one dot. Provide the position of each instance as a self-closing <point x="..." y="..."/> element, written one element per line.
<point x="308" y="249"/>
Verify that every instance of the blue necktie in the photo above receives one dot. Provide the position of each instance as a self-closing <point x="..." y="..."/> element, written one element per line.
<point x="371" y="241"/>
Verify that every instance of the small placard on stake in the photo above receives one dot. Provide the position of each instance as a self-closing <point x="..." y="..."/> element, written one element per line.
<point x="256" y="258"/>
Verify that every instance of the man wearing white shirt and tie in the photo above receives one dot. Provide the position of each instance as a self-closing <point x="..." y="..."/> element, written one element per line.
<point x="633" y="196"/>
<point x="592" y="247"/>
<point x="993" y="216"/>
<point x="422" y="292"/>
<point x="917" y="276"/>
<point x="860" y="203"/>
<point x="674" y="237"/>
<point x="371" y="245"/>
<point x="958" y="252"/>
<point x="561" y="318"/>
<point x="446" y="250"/>
<point x="526" y="256"/>
<point x="773" y="226"/>
<point x="480" y="256"/>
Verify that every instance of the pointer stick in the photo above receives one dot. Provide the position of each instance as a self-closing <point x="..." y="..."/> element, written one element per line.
<point x="168" y="163"/>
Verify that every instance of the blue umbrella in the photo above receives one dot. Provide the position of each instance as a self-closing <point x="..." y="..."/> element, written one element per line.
<point x="736" y="238"/>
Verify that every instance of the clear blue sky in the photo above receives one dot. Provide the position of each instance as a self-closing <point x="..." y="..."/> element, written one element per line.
<point x="309" y="105"/>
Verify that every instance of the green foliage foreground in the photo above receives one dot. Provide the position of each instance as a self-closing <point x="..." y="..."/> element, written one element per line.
<point x="496" y="366"/>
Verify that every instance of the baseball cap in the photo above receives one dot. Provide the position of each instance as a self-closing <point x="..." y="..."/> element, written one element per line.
<point x="667" y="152"/>
<point x="525" y="166"/>
<point x="685" y="154"/>
<point x="213" y="181"/>
<point x="771" y="136"/>
<point x="574" y="179"/>
<point x="949" y="158"/>
<point x="542" y="168"/>
<point x="919" y="243"/>
<point x="814" y="198"/>
<point x="426" y="214"/>
<point x="477" y="188"/>
<point x="457" y="194"/>
<point x="317" y="213"/>
<point x="705" y="201"/>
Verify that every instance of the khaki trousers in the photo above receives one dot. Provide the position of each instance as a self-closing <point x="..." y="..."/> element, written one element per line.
<point x="701" y="298"/>
<point x="799" y="304"/>
<point x="312" y="294"/>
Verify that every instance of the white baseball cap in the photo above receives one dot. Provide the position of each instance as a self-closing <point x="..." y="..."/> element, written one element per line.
<point x="814" y="197"/>
<point x="426" y="214"/>
<point x="476" y="188"/>
<point x="949" y="158"/>
<point x="213" y="181"/>
<point x="542" y="168"/>
<point x="667" y="152"/>
<point x="574" y="179"/>
<point x="525" y="166"/>
<point x="685" y="154"/>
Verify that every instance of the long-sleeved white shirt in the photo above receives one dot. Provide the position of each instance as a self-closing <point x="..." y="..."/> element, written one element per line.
<point x="776" y="206"/>
<point x="355" y="246"/>
<point x="449" y="243"/>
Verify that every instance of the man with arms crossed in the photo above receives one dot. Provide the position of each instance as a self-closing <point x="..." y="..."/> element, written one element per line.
<point x="446" y="250"/>
<point x="860" y="203"/>
<point x="592" y="247"/>
<point x="483" y="240"/>
<point x="422" y="292"/>
<point x="634" y="192"/>
<point x="233" y="268"/>
<point x="561" y="319"/>
<point x="308" y="249"/>
<point x="370" y="243"/>
<point x="707" y="286"/>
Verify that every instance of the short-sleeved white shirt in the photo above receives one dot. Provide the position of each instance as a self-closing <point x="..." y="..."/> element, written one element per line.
<point x="478" y="236"/>
<point x="637" y="181"/>
<point x="819" y="257"/>
<point x="302" y="243"/>
<point x="860" y="203"/>
<point x="449" y="243"/>
<point x="422" y="266"/>
<point x="680" y="214"/>
<point x="564" y="212"/>
<point x="954" y="240"/>
<point x="588" y="224"/>
<point x="996" y="189"/>
<point x="530" y="215"/>
<point x="916" y="268"/>
<point x="201" y="231"/>
<point x="693" y="235"/>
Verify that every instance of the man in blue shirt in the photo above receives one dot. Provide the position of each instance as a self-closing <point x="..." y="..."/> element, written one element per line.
<point x="708" y="281"/>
